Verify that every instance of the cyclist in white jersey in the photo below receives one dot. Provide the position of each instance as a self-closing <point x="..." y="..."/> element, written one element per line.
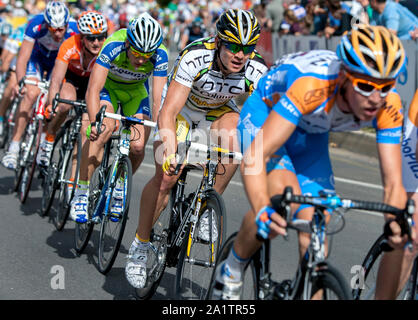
<point x="206" y="76"/>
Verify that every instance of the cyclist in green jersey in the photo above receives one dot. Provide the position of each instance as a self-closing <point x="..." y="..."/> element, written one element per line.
<point x="121" y="74"/>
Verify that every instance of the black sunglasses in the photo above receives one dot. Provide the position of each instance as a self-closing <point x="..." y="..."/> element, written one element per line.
<point x="235" y="48"/>
<point x="99" y="37"/>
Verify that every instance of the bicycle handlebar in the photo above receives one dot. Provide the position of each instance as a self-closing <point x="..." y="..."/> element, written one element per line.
<point x="281" y="204"/>
<point x="129" y="120"/>
<point x="76" y="103"/>
<point x="184" y="147"/>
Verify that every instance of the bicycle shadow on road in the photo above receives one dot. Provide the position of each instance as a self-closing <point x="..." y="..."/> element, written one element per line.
<point x="31" y="206"/>
<point x="7" y="185"/>
<point x="63" y="243"/>
<point x="117" y="285"/>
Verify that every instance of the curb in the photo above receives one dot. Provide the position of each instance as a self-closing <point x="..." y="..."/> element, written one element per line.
<point x="355" y="141"/>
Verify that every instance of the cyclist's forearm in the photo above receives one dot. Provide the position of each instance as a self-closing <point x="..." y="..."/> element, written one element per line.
<point x="93" y="104"/>
<point x="167" y="131"/>
<point x="23" y="59"/>
<point x="255" y="186"/>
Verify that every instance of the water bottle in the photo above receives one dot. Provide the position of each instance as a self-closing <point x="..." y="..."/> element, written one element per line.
<point x="124" y="142"/>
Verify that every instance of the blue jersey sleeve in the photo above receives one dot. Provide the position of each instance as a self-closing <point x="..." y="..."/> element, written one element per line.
<point x="33" y="30"/>
<point x="109" y="52"/>
<point x="161" y="63"/>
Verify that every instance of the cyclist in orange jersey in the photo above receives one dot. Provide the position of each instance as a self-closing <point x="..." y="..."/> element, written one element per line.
<point x="71" y="73"/>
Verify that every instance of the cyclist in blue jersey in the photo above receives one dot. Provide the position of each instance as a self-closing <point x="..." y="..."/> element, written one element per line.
<point x="43" y="37"/>
<point x="284" y="130"/>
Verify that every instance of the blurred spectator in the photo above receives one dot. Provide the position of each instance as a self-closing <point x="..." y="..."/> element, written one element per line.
<point x="261" y="14"/>
<point x="195" y="31"/>
<point x="395" y="17"/>
<point x="290" y="24"/>
<point x="274" y="11"/>
<point x="339" y="18"/>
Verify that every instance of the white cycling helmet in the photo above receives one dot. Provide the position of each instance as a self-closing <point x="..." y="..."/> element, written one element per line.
<point x="145" y="33"/>
<point x="56" y="14"/>
<point x="92" y="22"/>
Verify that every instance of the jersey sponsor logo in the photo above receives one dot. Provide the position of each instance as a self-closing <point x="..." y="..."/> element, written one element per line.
<point x="221" y="87"/>
<point x="408" y="153"/>
<point x="161" y="67"/>
<point x="316" y="95"/>
<point x="105" y="59"/>
<point x="289" y="107"/>
<point x="199" y="60"/>
<point x="203" y="103"/>
<point x="127" y="74"/>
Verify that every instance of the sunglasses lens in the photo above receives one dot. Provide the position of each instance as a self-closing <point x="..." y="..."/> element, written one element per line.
<point x="248" y="49"/>
<point x="93" y="38"/>
<point x="386" y="88"/>
<point x="235" y="48"/>
<point x="138" y="54"/>
<point x="365" y="87"/>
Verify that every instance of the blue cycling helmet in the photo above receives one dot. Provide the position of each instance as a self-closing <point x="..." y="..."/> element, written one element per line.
<point x="56" y="14"/>
<point x="373" y="51"/>
<point x="145" y="33"/>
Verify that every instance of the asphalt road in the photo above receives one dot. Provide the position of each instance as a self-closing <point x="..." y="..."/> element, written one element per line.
<point x="33" y="253"/>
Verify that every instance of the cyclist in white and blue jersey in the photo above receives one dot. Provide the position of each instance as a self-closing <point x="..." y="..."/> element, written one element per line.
<point x="43" y="37"/>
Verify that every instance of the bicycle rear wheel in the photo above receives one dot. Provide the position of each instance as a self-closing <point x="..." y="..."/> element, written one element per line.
<point x="112" y="228"/>
<point x="328" y="284"/>
<point x="198" y="254"/>
<point x="71" y="167"/>
<point x="30" y="161"/>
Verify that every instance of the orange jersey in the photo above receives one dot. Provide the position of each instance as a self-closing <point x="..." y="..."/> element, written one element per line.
<point x="70" y="53"/>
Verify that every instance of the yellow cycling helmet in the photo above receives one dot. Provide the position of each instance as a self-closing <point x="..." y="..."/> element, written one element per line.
<point x="238" y="26"/>
<point x="373" y="51"/>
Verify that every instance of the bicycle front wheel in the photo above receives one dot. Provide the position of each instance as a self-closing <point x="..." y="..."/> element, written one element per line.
<point x="328" y="284"/>
<point x="71" y="168"/>
<point x="200" y="250"/>
<point x="113" y="226"/>
<point x="50" y="180"/>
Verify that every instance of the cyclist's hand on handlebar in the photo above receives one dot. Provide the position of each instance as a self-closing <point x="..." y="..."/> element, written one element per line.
<point x="270" y="223"/>
<point x="17" y="91"/>
<point x="393" y="231"/>
<point x="93" y="135"/>
<point x="170" y="164"/>
<point x="48" y="114"/>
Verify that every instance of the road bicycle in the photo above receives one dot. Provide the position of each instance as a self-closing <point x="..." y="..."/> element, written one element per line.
<point x="315" y="276"/>
<point x="365" y="286"/>
<point x="175" y="240"/>
<point x="26" y="163"/>
<point x="62" y="173"/>
<point x="104" y="183"/>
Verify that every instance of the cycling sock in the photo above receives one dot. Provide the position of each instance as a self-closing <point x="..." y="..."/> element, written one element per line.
<point x="50" y="137"/>
<point x="82" y="187"/>
<point x="234" y="266"/>
<point x="14" y="146"/>
<point x="141" y="243"/>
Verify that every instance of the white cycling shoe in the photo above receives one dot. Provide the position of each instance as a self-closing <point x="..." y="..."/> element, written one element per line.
<point x="136" y="267"/>
<point x="79" y="208"/>
<point x="203" y="233"/>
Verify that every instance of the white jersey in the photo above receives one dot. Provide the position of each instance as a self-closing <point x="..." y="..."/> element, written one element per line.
<point x="196" y="68"/>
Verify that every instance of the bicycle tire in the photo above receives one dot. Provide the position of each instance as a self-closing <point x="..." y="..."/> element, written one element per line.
<point x="50" y="181"/>
<point x="411" y="287"/>
<point x="196" y="263"/>
<point x="250" y="285"/>
<point x="331" y="282"/>
<point x="157" y="259"/>
<point x="108" y="250"/>
<point x="30" y="166"/>
<point x="64" y="198"/>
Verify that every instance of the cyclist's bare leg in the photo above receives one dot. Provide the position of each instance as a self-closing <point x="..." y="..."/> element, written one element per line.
<point x="246" y="244"/>
<point x="139" y="138"/>
<point x="154" y="197"/>
<point x="223" y="130"/>
<point x="93" y="150"/>
<point x="7" y="94"/>
<point x="84" y="125"/>
<point x="25" y="108"/>
<point x="67" y="92"/>
<point x="396" y="266"/>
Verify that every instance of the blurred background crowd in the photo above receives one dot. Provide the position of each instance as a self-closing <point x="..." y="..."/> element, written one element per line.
<point x="186" y="20"/>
